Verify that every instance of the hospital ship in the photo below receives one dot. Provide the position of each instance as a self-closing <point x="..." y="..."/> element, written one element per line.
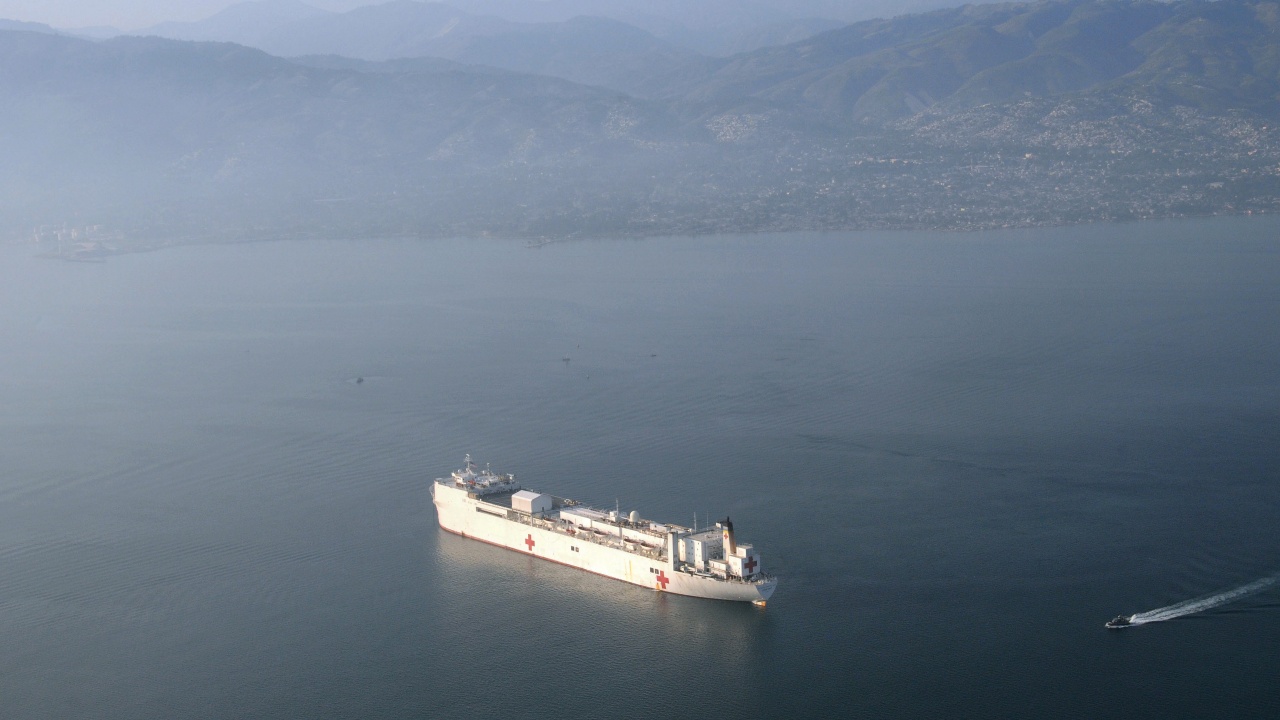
<point x="706" y="563"/>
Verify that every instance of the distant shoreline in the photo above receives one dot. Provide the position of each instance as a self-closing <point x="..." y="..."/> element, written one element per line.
<point x="535" y="242"/>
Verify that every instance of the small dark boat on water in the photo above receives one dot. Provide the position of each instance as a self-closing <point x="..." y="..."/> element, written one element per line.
<point x="1120" y="621"/>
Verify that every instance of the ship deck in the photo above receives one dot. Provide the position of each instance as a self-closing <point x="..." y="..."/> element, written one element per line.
<point x="551" y="521"/>
<point x="502" y="499"/>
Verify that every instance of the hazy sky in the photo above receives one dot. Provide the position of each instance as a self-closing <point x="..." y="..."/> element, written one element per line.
<point x="132" y="14"/>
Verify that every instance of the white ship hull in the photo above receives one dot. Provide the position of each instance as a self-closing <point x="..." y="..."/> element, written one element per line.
<point x="471" y="516"/>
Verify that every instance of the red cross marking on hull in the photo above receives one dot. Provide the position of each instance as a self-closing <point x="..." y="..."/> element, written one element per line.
<point x="750" y="565"/>
<point x="663" y="579"/>
<point x="529" y="541"/>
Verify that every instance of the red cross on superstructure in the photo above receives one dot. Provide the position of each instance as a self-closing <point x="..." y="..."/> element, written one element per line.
<point x="750" y="565"/>
<point x="663" y="579"/>
<point x="529" y="541"/>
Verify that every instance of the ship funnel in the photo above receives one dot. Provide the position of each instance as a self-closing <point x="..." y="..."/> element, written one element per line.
<point x="730" y="545"/>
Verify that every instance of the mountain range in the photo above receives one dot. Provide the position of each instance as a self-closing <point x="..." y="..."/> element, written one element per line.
<point x="981" y="116"/>
<point x="875" y="69"/>
<point x="712" y="27"/>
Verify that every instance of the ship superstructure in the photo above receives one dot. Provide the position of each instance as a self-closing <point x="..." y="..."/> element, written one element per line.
<point x="707" y="563"/>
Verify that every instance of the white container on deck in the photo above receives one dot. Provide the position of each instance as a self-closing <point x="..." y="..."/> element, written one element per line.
<point x="531" y="502"/>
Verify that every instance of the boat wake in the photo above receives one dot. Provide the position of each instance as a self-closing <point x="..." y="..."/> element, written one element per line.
<point x="1188" y="607"/>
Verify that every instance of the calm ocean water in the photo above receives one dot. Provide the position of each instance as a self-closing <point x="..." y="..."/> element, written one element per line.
<point x="961" y="453"/>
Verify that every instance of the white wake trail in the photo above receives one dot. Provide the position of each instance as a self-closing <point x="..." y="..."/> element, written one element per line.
<point x="1201" y="604"/>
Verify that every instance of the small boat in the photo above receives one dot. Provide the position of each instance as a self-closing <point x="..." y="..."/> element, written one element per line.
<point x="1120" y="621"/>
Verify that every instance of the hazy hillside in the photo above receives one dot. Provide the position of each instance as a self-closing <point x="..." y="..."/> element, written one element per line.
<point x="707" y="27"/>
<point x="1211" y="55"/>
<point x="402" y="28"/>
<point x="397" y="28"/>
<point x="593" y="51"/>
<point x="245" y="23"/>
<point x="26" y="26"/>
<point x="192" y="127"/>
<point x="711" y="27"/>
<point x="588" y="50"/>
<point x="982" y="116"/>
